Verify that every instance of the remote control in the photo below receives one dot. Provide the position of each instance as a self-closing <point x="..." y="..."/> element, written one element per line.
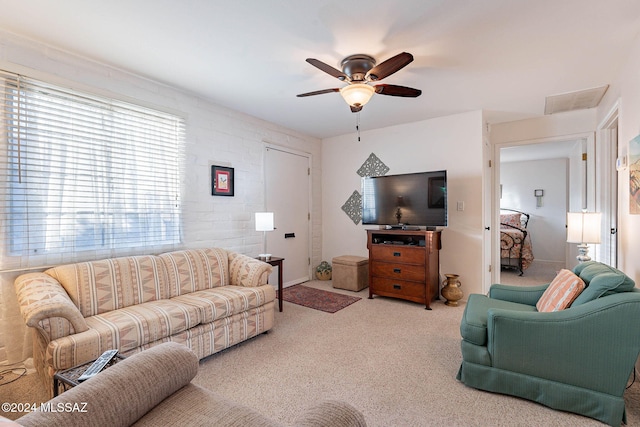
<point x="98" y="365"/>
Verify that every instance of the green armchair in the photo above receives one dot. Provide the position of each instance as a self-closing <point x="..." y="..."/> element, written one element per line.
<point x="577" y="360"/>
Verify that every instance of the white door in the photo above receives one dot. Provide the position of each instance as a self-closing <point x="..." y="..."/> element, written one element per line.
<point x="287" y="179"/>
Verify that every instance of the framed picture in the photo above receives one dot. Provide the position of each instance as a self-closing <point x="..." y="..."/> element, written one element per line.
<point x="221" y="181"/>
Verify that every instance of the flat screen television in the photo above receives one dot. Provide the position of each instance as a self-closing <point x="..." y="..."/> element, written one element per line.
<point x="413" y="199"/>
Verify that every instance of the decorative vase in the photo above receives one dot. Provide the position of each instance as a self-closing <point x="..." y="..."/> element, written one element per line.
<point x="451" y="289"/>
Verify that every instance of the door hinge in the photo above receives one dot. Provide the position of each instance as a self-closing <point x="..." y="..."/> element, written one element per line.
<point x="584" y="157"/>
<point x="490" y="163"/>
<point x="308" y="261"/>
<point x="309" y="171"/>
<point x="308" y="216"/>
<point x="489" y="268"/>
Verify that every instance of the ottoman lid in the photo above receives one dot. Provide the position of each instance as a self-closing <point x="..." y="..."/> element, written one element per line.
<point x="350" y="260"/>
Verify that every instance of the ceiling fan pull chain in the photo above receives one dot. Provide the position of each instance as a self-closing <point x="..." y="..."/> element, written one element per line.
<point x="358" y="125"/>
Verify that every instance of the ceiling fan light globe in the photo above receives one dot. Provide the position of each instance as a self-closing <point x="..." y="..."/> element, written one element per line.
<point x="357" y="94"/>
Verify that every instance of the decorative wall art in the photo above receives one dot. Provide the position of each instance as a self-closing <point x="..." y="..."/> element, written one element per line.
<point x="222" y="181"/>
<point x="373" y="166"/>
<point x="353" y="207"/>
<point x="634" y="175"/>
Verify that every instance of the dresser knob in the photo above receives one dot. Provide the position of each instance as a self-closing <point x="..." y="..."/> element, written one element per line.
<point x="396" y="254"/>
<point x="396" y="270"/>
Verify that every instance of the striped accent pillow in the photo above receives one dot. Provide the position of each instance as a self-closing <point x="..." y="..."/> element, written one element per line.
<point x="561" y="292"/>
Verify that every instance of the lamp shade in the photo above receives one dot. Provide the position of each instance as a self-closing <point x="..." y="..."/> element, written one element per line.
<point x="584" y="227"/>
<point x="264" y="221"/>
<point x="357" y="94"/>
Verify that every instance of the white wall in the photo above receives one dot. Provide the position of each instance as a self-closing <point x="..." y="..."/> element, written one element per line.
<point x="453" y="143"/>
<point x="214" y="135"/>
<point x="567" y="124"/>
<point x="627" y="91"/>
<point x="546" y="223"/>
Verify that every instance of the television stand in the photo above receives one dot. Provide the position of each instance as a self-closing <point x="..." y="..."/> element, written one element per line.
<point x="404" y="264"/>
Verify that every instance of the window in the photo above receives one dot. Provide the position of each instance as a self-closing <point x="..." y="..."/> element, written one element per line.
<point x="85" y="173"/>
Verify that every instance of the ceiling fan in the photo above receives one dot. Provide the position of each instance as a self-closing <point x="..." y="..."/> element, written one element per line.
<point x="359" y="71"/>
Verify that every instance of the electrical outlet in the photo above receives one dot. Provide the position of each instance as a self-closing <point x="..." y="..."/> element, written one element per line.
<point x="460" y="206"/>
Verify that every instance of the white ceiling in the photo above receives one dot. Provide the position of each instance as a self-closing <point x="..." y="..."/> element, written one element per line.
<point x="503" y="56"/>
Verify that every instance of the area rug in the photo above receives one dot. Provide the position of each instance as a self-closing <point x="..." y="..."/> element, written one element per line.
<point x="318" y="299"/>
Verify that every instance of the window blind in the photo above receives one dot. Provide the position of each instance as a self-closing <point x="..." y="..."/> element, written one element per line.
<point x="84" y="176"/>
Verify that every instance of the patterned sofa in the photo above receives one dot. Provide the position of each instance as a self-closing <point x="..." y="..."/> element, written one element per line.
<point x="206" y="299"/>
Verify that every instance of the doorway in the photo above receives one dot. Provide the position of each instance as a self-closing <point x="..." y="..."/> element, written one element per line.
<point x="571" y="190"/>
<point x="287" y="193"/>
<point x="608" y="177"/>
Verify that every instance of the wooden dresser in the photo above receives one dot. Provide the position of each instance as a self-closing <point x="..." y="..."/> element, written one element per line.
<point x="404" y="264"/>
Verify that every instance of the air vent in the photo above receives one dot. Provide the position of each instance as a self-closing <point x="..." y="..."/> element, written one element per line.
<point x="578" y="100"/>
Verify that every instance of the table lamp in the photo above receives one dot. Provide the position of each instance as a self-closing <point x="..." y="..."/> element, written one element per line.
<point x="264" y="223"/>
<point x="584" y="228"/>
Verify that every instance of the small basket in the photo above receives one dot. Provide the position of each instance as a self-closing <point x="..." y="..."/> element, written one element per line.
<point x="323" y="275"/>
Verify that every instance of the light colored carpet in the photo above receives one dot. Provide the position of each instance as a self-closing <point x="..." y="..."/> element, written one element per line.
<point x="392" y="359"/>
<point x="538" y="273"/>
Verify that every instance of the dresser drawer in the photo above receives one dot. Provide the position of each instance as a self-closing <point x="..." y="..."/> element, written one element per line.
<point x="399" y="288"/>
<point x="398" y="254"/>
<point x="397" y="271"/>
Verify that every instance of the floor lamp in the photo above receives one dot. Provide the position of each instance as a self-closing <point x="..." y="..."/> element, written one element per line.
<point x="584" y="228"/>
<point x="264" y="223"/>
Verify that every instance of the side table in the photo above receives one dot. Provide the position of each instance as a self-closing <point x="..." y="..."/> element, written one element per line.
<point x="69" y="378"/>
<point x="276" y="262"/>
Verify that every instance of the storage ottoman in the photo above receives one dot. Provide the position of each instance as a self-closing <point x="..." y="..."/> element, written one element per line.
<point x="350" y="272"/>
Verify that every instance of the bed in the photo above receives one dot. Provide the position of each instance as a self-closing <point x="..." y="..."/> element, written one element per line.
<point x="515" y="242"/>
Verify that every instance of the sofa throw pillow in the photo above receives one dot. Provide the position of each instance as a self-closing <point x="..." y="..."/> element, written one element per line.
<point x="564" y="288"/>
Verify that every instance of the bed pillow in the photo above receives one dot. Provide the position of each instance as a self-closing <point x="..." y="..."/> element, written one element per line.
<point x="511" y="219"/>
<point x="562" y="291"/>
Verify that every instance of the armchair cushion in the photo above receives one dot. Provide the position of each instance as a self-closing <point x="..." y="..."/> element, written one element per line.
<point x="473" y="327"/>
<point x="601" y="280"/>
<point x="564" y="288"/>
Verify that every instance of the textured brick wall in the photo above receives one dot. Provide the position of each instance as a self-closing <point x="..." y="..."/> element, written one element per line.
<point x="215" y="135"/>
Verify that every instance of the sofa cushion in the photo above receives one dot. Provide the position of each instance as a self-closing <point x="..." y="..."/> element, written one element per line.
<point x="473" y="326"/>
<point x="125" y="392"/>
<point x="97" y="287"/>
<point x="601" y="280"/>
<point x="226" y="301"/>
<point x="125" y="329"/>
<point x="562" y="290"/>
<point x="196" y="270"/>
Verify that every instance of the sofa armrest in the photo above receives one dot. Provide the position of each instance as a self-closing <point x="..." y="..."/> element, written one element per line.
<point x="528" y="295"/>
<point x="331" y="413"/>
<point x="124" y="392"/>
<point x="42" y="298"/>
<point x="591" y="346"/>
<point x="247" y="271"/>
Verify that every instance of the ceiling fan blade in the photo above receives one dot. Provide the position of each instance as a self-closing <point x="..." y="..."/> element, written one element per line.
<point x="355" y="109"/>
<point x="390" y="66"/>
<point x="395" y="90"/>
<point x="327" y="69"/>
<point x="318" y="92"/>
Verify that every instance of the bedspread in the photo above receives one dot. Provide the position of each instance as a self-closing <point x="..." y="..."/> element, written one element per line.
<point x="515" y="247"/>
